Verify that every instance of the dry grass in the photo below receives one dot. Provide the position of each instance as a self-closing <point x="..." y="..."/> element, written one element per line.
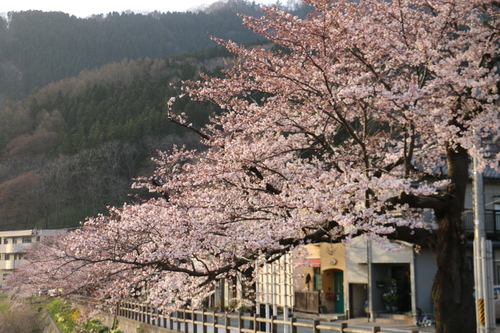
<point x="21" y="319"/>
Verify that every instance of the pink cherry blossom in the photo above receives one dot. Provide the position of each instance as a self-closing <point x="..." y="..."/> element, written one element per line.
<point x="351" y="117"/>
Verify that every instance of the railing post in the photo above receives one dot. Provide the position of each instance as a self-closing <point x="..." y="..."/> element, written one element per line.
<point x="186" y="324"/>
<point x="215" y="321"/>
<point x="274" y="326"/>
<point x="193" y="319"/>
<point x="315" y="323"/>
<point x="343" y="326"/>
<point x="204" y="321"/>
<point x="226" y="323"/>
<point x="293" y="328"/>
<point x="375" y="329"/>
<point x="241" y="324"/>
<point x="255" y="323"/>
<point x="177" y="317"/>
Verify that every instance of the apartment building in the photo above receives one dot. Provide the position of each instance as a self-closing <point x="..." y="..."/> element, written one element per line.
<point x="14" y="245"/>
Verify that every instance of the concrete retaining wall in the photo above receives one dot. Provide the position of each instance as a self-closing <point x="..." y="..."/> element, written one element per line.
<point x="124" y="324"/>
<point x="127" y="325"/>
<point x="48" y="324"/>
<point x="132" y="326"/>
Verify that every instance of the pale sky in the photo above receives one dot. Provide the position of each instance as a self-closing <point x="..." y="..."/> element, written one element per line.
<point x="85" y="8"/>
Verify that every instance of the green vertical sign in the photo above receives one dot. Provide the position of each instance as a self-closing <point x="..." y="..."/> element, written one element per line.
<point x="318" y="282"/>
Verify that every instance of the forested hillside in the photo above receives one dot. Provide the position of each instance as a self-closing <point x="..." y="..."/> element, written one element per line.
<point x="72" y="148"/>
<point x="41" y="47"/>
<point x="86" y="107"/>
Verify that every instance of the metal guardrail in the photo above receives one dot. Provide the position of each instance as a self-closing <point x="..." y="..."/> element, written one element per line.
<point x="201" y="320"/>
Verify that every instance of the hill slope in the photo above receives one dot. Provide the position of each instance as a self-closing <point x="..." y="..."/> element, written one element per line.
<point x="71" y="147"/>
<point x="42" y="47"/>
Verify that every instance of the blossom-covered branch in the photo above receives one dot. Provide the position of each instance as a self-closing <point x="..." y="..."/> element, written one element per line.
<point x="320" y="139"/>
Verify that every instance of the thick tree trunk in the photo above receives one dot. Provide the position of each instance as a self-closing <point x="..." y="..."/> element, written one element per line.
<point x="452" y="290"/>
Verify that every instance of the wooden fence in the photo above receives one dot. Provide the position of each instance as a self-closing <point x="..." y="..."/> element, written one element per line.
<point x="307" y="301"/>
<point x="201" y="321"/>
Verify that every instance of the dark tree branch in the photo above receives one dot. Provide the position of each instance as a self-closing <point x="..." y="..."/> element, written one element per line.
<point x="388" y="168"/>
<point x="269" y="188"/>
<point x="164" y="194"/>
<point x="419" y="236"/>
<point x="256" y="172"/>
<point x="435" y="202"/>
<point x="189" y="127"/>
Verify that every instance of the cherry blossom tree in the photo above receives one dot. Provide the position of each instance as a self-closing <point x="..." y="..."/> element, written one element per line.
<point x="361" y="109"/>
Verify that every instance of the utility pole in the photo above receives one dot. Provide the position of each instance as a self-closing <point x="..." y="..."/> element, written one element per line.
<point x="483" y="270"/>
<point x="286" y="328"/>
<point x="369" y="259"/>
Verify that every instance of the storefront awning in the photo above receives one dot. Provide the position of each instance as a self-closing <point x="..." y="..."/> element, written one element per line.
<point x="313" y="262"/>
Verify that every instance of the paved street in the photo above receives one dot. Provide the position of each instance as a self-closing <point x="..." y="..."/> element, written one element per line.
<point x="361" y="324"/>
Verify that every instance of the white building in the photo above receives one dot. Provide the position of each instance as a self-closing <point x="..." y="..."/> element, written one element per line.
<point x="14" y="245"/>
<point x="275" y="287"/>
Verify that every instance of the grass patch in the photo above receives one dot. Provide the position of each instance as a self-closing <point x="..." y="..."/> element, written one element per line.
<point x="67" y="318"/>
<point x="64" y="314"/>
<point x="4" y="304"/>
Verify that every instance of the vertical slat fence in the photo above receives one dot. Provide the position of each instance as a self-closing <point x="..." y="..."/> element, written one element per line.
<point x="186" y="321"/>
